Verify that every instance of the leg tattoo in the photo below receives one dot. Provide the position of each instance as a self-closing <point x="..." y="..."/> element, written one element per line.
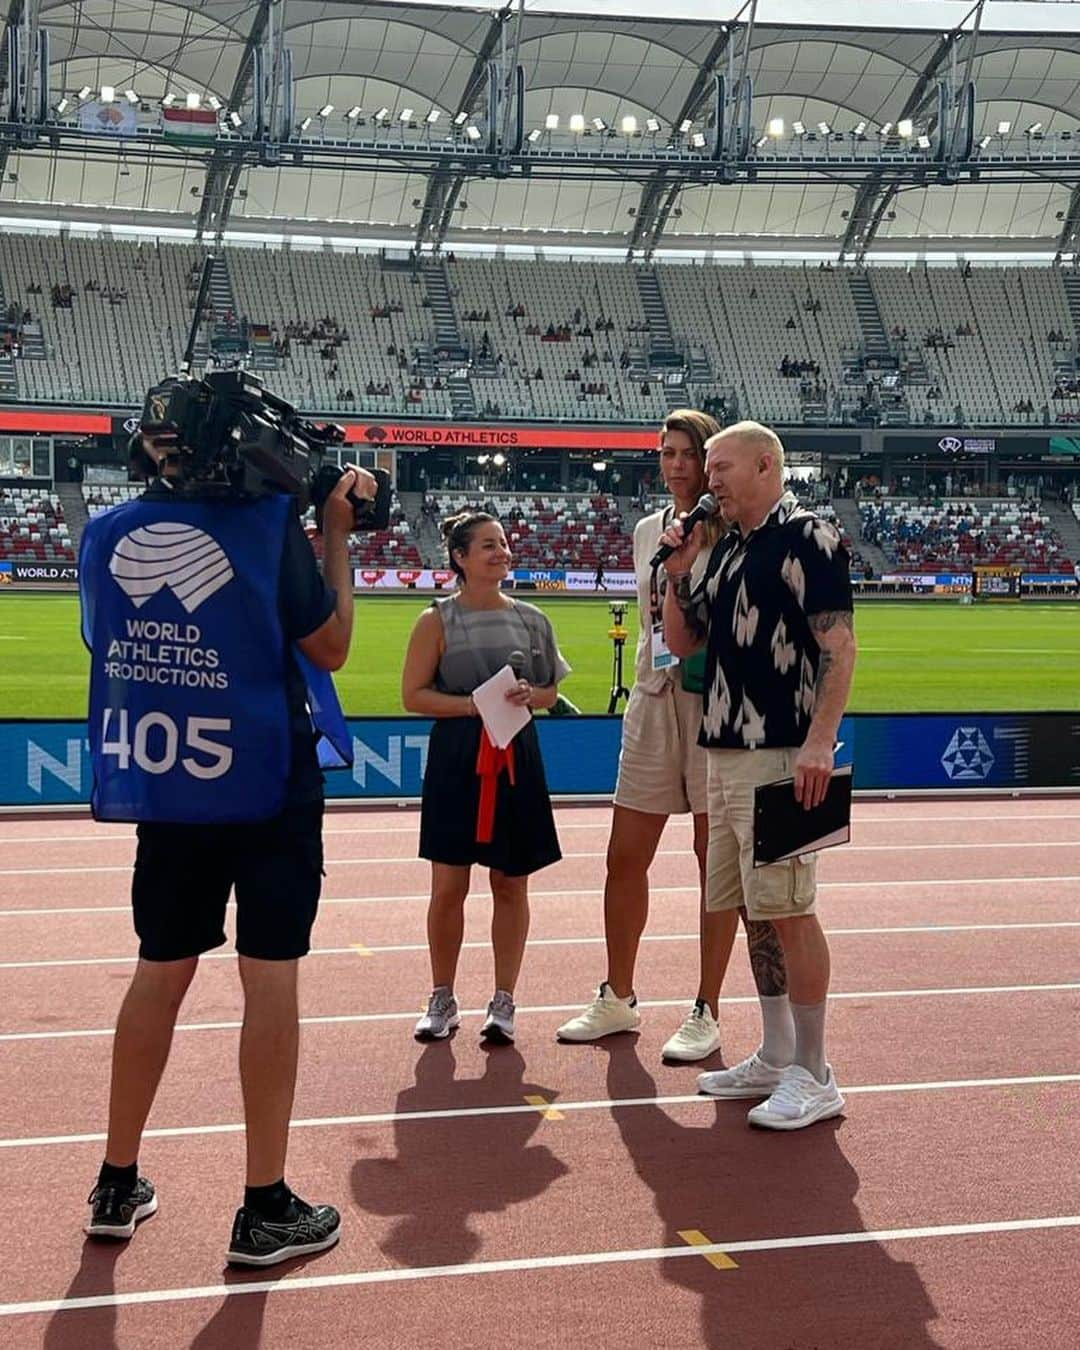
<point x="766" y="957"/>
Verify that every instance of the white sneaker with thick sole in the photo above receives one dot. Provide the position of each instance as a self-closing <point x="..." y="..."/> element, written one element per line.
<point x="605" y="1015"/>
<point x="751" y="1078"/>
<point x="800" y="1100"/>
<point x="498" y="1028"/>
<point x="442" y="1017"/>
<point x="696" y="1039"/>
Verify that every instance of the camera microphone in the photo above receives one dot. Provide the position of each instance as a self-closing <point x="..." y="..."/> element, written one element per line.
<point x="706" y="507"/>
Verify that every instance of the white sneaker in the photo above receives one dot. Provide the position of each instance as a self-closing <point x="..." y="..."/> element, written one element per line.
<point x="800" y="1100"/>
<point x="498" y="1026"/>
<point x="752" y="1078"/>
<point x="697" y="1038"/>
<point x="604" y="1016"/>
<point x="441" y="1018"/>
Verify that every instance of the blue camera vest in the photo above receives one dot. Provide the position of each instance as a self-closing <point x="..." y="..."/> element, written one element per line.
<point x="189" y="721"/>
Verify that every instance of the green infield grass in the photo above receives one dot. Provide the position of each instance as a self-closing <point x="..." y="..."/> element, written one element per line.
<point x="914" y="657"/>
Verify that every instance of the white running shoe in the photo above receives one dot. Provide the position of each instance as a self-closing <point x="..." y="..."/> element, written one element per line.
<point x="696" y="1039"/>
<point x="800" y="1100"/>
<point x="752" y="1078"/>
<point x="441" y="1018"/>
<point x="604" y="1016"/>
<point x="498" y="1027"/>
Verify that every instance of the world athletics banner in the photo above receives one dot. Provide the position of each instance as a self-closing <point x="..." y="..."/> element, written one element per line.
<point x="48" y="763"/>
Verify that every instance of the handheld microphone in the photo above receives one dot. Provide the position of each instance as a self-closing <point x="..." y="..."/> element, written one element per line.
<point x="705" y="508"/>
<point x="516" y="662"/>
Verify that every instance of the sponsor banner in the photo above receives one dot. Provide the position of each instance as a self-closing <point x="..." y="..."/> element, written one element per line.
<point x="48" y="763"/>
<point x="52" y="421"/>
<point x="402" y="579"/>
<point x="115" y="118"/>
<point x="440" y="434"/>
<point x="48" y="571"/>
<point x="614" y="581"/>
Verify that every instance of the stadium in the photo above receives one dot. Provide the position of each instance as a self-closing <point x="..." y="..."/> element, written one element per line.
<point x="497" y="243"/>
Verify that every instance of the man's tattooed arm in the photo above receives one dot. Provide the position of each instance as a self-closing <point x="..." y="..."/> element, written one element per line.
<point x="834" y="632"/>
<point x="684" y="630"/>
<point x="690" y="611"/>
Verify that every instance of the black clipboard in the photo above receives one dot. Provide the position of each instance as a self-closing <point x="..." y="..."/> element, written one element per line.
<point x="783" y="828"/>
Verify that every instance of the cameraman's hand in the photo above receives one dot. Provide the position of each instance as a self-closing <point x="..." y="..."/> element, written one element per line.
<point x="367" y="486"/>
<point x="686" y="550"/>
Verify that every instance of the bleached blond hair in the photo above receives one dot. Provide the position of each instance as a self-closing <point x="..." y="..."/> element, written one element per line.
<point x="754" y="434"/>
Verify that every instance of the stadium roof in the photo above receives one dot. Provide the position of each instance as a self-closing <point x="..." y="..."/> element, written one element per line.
<point x="832" y="61"/>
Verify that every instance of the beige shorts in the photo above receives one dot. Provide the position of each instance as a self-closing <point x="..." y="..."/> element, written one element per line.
<point x="777" y="891"/>
<point x="662" y="768"/>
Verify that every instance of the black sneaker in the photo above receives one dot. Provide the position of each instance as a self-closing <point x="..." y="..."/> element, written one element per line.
<point x="115" y="1210"/>
<point x="305" y="1229"/>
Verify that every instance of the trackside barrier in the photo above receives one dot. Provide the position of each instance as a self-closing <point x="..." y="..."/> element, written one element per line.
<point x="47" y="763"/>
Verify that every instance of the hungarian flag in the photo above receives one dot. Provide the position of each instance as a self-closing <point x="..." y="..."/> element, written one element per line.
<point x="189" y="124"/>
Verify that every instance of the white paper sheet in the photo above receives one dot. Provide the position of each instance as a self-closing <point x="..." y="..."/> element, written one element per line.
<point x="502" y="718"/>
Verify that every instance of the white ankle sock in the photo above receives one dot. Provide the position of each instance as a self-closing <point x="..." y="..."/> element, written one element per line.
<point x="809" y="1021"/>
<point x="777" y="1030"/>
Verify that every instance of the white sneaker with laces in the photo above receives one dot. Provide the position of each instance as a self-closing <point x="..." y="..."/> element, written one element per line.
<point x="498" y="1027"/>
<point x="697" y="1038"/>
<point x="441" y="1018"/>
<point x="800" y="1100"/>
<point x="751" y="1078"/>
<point x="604" y="1016"/>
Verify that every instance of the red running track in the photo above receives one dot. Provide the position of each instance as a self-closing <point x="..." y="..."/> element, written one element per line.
<point x="943" y="1210"/>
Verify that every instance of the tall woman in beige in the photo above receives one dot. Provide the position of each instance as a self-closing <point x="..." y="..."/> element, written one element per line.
<point x="662" y="772"/>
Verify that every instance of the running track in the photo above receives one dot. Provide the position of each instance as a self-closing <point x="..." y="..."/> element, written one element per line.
<point x="562" y="1196"/>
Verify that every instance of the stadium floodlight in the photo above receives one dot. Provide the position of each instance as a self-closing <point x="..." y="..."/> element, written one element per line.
<point x="305" y="124"/>
<point x="886" y="129"/>
<point x="652" y="125"/>
<point x="551" y="122"/>
<point x="764" y="140"/>
<point x="405" y="116"/>
<point x="599" y="124"/>
<point x="193" y="101"/>
<point x="599" y="465"/>
<point x="776" y="126"/>
<point x="353" y="113"/>
<point x="108" y="93"/>
<point x="823" y="127"/>
<point x="131" y="96"/>
<point x="326" y="110"/>
<point x="214" y="102"/>
<point x="473" y="132"/>
<point x="577" y="122"/>
<point x="1004" y="128"/>
<point x="461" y="119"/>
<point x="985" y="142"/>
<point x="84" y="93"/>
<point x="923" y="142"/>
<point x="498" y="459"/>
<point x="433" y="116"/>
<point x="685" y="125"/>
<point x="905" y="127"/>
<point x="1035" y="126"/>
<point x="697" y="140"/>
<point x="63" y="105"/>
<point x="168" y="100"/>
<point x="382" y="114"/>
<point x="236" y="119"/>
<point x="798" y="128"/>
<point x="534" y="135"/>
<point x="629" y="126"/>
<point x="860" y="127"/>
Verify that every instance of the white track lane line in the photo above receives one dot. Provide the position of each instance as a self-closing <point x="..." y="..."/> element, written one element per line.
<point x="661" y="853"/>
<point x="406" y="1274"/>
<point x="423" y="896"/>
<point x="352" y="1019"/>
<point x="95" y="838"/>
<point x="471" y="1112"/>
<point x="402" y="947"/>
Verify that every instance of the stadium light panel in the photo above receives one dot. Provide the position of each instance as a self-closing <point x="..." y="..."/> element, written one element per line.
<point x="62" y="106"/>
<point x="131" y="96"/>
<point x="685" y="125"/>
<point x="985" y="142"/>
<point x="1035" y="126"/>
<point x="629" y="126"/>
<point x="168" y="100"/>
<point x="236" y="119"/>
<point x="762" y="142"/>
<point x="473" y="132"/>
<point x="798" y="128"/>
<point x="382" y="114"/>
<point x="406" y="116"/>
<point x="108" y="93"/>
<point x="1004" y="128"/>
<point x="652" y="125"/>
<point x="534" y="135"/>
<point x="776" y="126"/>
<point x="551" y="122"/>
<point x="461" y="119"/>
<point x="886" y="129"/>
<point x="860" y="127"/>
<point x="577" y="122"/>
<point x="84" y="92"/>
<point x="823" y="127"/>
<point x="599" y="124"/>
<point x="305" y="124"/>
<point x="923" y="142"/>
<point x="697" y="140"/>
<point x="905" y="127"/>
<point x="193" y="101"/>
<point x="433" y="116"/>
<point x="353" y="113"/>
<point x="214" y="102"/>
<point x="326" y="110"/>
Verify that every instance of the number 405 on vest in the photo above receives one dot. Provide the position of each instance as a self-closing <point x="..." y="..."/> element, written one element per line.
<point x="154" y="743"/>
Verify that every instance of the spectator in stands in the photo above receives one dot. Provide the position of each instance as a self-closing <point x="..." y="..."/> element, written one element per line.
<point x="480" y="805"/>
<point x="662" y="773"/>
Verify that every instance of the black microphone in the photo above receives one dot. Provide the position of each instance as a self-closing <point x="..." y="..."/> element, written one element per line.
<point x="705" y="508"/>
<point x="516" y="662"/>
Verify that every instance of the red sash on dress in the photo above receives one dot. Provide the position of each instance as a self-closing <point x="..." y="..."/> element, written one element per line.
<point x="490" y="762"/>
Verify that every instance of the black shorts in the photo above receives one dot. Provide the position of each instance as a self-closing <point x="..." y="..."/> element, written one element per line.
<point x="184" y="873"/>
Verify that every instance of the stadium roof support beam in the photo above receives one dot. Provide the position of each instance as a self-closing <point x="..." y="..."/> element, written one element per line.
<point x="223" y="173"/>
<point x="12" y="21"/>
<point x="444" y="186"/>
<point x="875" y="196"/>
<point x="661" y="192"/>
<point x="1069" y="238"/>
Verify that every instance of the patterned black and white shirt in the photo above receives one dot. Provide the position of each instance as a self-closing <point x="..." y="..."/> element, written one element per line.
<point x="762" y="658"/>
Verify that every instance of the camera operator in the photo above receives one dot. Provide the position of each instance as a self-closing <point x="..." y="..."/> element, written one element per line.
<point x="201" y="731"/>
